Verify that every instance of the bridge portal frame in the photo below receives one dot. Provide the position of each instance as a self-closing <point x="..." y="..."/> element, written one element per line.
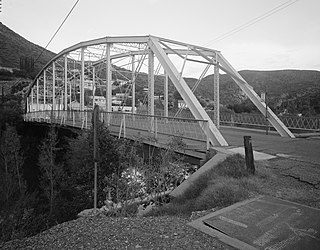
<point x="142" y="46"/>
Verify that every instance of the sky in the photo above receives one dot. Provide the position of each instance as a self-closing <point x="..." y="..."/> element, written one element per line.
<point x="287" y="39"/>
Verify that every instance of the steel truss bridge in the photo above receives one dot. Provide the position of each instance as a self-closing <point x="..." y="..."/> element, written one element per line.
<point x="57" y="94"/>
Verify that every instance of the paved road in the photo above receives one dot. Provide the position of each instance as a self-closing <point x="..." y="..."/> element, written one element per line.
<point x="304" y="149"/>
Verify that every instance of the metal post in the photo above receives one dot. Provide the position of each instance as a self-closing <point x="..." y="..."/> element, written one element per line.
<point x="86" y="119"/>
<point x="28" y="108"/>
<point x="156" y="128"/>
<point x="207" y="135"/>
<point x="95" y="153"/>
<point x="93" y="85"/>
<point x="44" y="88"/>
<point x="124" y="126"/>
<point x="53" y="86"/>
<point x="108" y="80"/>
<point x="65" y="82"/>
<point x="31" y="99"/>
<point x="70" y="91"/>
<point x="38" y="95"/>
<point x="216" y="113"/>
<point x="151" y="83"/>
<point x="82" y="81"/>
<point x="166" y="95"/>
<point x="133" y="82"/>
<point x="267" y="122"/>
<point x="151" y="89"/>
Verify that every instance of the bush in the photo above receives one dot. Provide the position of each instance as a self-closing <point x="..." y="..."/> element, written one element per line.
<point x="221" y="186"/>
<point x="234" y="166"/>
<point x="221" y="192"/>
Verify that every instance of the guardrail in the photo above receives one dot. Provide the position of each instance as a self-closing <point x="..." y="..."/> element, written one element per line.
<point x="258" y="120"/>
<point x="191" y="129"/>
<point x="311" y="124"/>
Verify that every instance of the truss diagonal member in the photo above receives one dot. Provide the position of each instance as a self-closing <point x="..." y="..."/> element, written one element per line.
<point x="197" y="110"/>
<point x="193" y="89"/>
<point x="172" y="50"/>
<point x="253" y="96"/>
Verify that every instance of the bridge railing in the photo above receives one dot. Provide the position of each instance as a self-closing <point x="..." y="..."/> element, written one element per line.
<point x="291" y="122"/>
<point x="123" y="122"/>
<point x="259" y="120"/>
<point x="184" y="127"/>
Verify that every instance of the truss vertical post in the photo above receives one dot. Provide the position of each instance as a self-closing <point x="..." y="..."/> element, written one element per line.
<point x="93" y="85"/>
<point x="166" y="95"/>
<point x="70" y="90"/>
<point x="216" y="98"/>
<point x="151" y="83"/>
<point x="133" y="82"/>
<point x="44" y="89"/>
<point x="108" y="80"/>
<point x="82" y="80"/>
<point x="31" y="109"/>
<point x="151" y="89"/>
<point x="197" y="110"/>
<point x="28" y="107"/>
<point x="53" y="85"/>
<point x="65" y="81"/>
<point x="37" y="93"/>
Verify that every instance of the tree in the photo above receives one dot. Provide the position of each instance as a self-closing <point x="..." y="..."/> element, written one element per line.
<point x="80" y="161"/>
<point x="11" y="161"/>
<point x="52" y="173"/>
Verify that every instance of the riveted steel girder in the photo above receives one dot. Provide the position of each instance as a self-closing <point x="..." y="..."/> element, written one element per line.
<point x="253" y="96"/>
<point x="197" y="110"/>
<point x="161" y="47"/>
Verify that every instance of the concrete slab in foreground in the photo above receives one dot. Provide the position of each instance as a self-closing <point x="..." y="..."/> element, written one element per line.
<point x="264" y="223"/>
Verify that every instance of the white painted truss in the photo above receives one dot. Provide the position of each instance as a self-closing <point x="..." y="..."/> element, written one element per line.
<point x="95" y="64"/>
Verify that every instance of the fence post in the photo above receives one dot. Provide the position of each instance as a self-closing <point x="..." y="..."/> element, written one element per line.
<point x="249" y="154"/>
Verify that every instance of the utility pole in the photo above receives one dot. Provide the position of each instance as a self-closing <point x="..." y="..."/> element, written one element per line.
<point x="95" y="154"/>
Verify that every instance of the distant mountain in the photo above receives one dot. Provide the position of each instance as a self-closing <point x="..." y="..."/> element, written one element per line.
<point x="296" y="88"/>
<point x="278" y="84"/>
<point x="14" y="47"/>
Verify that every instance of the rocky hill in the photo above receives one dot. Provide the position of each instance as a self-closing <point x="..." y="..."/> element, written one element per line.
<point x="279" y="83"/>
<point x="296" y="88"/>
<point x="15" y="48"/>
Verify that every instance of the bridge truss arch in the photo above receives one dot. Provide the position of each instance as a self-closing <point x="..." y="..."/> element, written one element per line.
<point x="93" y="64"/>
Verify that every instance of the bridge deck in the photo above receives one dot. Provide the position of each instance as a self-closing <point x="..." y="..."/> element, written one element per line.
<point x="153" y="130"/>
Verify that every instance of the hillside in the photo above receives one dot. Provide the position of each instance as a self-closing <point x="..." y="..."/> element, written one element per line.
<point x="280" y="84"/>
<point x="14" y="47"/>
<point x="296" y="88"/>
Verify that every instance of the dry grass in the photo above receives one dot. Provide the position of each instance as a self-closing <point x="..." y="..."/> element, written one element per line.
<point x="223" y="185"/>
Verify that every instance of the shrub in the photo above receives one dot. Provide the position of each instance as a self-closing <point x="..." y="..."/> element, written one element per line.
<point x="221" y="192"/>
<point x="233" y="166"/>
<point x="221" y="186"/>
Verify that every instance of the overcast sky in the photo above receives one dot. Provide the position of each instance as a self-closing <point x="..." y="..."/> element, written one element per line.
<point x="287" y="39"/>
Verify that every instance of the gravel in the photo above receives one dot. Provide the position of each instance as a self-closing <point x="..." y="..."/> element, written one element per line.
<point x="101" y="232"/>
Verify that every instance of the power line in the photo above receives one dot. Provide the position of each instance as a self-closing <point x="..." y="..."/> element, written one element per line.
<point x="65" y="19"/>
<point x="252" y="21"/>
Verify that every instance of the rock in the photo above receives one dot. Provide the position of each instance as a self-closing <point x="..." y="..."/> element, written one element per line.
<point x="89" y="212"/>
<point x="143" y="210"/>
